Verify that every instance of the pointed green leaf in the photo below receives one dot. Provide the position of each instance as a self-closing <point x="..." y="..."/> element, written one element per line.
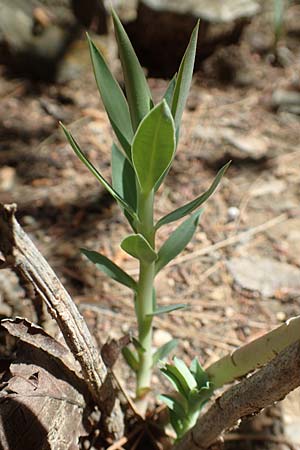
<point x="153" y="146"/>
<point x="170" y="91"/>
<point x="121" y="138"/>
<point x="110" y="268"/>
<point x="164" y="351"/>
<point x="137" y="90"/>
<point x="177" y="379"/>
<point x="137" y="246"/>
<point x="199" y="373"/>
<point x="138" y="346"/>
<point x="184" y="78"/>
<point x="175" y="403"/>
<point x="167" y="309"/>
<point x="97" y="174"/>
<point x="123" y="177"/>
<point x="130" y="358"/>
<point x="191" y="206"/>
<point x="113" y="98"/>
<point x="177" y="241"/>
<point x="185" y="372"/>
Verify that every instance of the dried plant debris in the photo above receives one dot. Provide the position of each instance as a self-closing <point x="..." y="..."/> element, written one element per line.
<point x="42" y="401"/>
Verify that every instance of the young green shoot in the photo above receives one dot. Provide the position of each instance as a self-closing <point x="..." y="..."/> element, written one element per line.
<point x="146" y="140"/>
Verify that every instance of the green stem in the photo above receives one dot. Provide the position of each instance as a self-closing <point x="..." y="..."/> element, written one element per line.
<point x="144" y="299"/>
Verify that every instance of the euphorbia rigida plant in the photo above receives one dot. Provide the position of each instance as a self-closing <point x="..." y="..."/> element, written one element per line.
<point x="147" y="135"/>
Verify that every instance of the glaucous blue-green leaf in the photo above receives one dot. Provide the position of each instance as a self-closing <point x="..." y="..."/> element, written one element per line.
<point x="164" y="351"/>
<point x="153" y="146"/>
<point x="110" y="268"/>
<point x="123" y="177"/>
<point x="97" y="174"/>
<point x="130" y="358"/>
<point x="138" y="346"/>
<point x="178" y="412"/>
<point x="184" y="78"/>
<point x="170" y="91"/>
<point x="138" y="247"/>
<point x="113" y="98"/>
<point x="177" y="379"/>
<point x="137" y="90"/>
<point x="167" y="309"/>
<point x="175" y="403"/>
<point x="177" y="241"/>
<point x="191" y="206"/>
<point x="185" y="372"/>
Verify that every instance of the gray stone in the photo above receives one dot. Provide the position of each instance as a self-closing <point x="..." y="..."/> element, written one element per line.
<point x="286" y="100"/>
<point x="229" y="143"/>
<point x="264" y="275"/>
<point x="35" y="34"/>
<point x="210" y="10"/>
<point x="162" y="29"/>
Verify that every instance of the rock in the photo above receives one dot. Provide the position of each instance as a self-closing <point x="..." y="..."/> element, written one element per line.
<point x="264" y="275"/>
<point x="7" y="178"/>
<point x="237" y="145"/>
<point x="35" y="34"/>
<point x="233" y="213"/>
<point x="161" y="337"/>
<point x="249" y="146"/>
<point x="288" y="235"/>
<point x="162" y="29"/>
<point x="286" y="100"/>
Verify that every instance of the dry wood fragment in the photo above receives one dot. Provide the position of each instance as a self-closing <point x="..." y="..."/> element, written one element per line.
<point x="23" y="257"/>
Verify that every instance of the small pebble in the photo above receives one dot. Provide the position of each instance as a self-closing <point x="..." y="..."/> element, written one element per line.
<point x="281" y="316"/>
<point x="233" y="213"/>
<point x="161" y="337"/>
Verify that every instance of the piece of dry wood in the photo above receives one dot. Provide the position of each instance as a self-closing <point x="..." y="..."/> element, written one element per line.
<point x="270" y="384"/>
<point x="23" y="257"/>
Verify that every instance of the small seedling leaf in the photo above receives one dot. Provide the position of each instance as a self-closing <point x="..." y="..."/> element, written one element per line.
<point x="199" y="373"/>
<point x="177" y="379"/>
<point x="184" y="78"/>
<point x="191" y="206"/>
<point x="137" y="90"/>
<point x="130" y="358"/>
<point x="110" y="268"/>
<point x="167" y="309"/>
<point x="185" y="372"/>
<point x="138" y="346"/>
<point x="113" y="98"/>
<point x="153" y="146"/>
<point x="97" y="174"/>
<point x="177" y="241"/>
<point x="164" y="351"/>
<point x="175" y="403"/>
<point x="137" y="246"/>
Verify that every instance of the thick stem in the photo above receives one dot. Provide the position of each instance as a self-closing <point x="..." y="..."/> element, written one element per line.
<point x="145" y="307"/>
<point x="144" y="299"/>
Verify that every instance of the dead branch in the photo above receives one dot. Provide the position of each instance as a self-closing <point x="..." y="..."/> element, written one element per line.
<point x="270" y="384"/>
<point x="30" y="266"/>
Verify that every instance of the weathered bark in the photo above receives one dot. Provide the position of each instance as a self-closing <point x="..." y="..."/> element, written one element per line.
<point x="270" y="384"/>
<point x="23" y="257"/>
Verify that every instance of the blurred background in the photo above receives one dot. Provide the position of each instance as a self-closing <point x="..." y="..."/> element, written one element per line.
<point x="241" y="273"/>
